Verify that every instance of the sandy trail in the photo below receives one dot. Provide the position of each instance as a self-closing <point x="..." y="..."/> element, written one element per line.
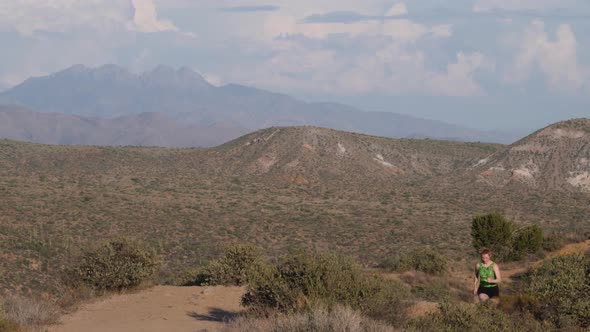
<point x="161" y="308"/>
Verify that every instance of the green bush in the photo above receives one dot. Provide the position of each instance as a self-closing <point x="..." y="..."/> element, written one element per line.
<point x="494" y="232"/>
<point x="482" y="317"/>
<point x="304" y="280"/>
<point x="528" y="240"/>
<point x="559" y="290"/>
<point x="115" y="265"/>
<point x="233" y="268"/>
<point x="423" y="260"/>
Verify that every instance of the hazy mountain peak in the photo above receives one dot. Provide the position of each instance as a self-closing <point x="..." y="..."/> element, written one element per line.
<point x="183" y="78"/>
<point x="73" y="70"/>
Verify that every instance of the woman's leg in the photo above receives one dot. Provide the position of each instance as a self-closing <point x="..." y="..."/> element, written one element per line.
<point x="483" y="297"/>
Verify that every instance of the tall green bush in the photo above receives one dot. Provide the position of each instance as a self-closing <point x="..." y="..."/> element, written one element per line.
<point x="115" y="265"/>
<point x="528" y="240"/>
<point x="233" y="268"/>
<point x="492" y="231"/>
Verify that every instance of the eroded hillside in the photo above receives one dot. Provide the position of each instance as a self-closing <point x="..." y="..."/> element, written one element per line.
<point x="556" y="158"/>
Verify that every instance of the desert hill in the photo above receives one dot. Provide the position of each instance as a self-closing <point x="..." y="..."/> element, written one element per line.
<point x="312" y="154"/>
<point x="555" y="157"/>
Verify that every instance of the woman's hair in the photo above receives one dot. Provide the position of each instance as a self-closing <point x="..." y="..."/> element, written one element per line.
<point x="486" y="252"/>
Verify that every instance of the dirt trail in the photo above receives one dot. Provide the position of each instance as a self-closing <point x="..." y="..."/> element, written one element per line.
<point x="161" y="308"/>
<point x="568" y="249"/>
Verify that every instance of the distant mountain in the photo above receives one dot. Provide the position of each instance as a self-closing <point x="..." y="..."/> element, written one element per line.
<point x="185" y="97"/>
<point x="555" y="157"/>
<point x="147" y="129"/>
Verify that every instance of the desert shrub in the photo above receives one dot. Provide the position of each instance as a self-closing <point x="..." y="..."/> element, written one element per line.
<point x="336" y="319"/>
<point x="558" y="290"/>
<point x="115" y="265"/>
<point x="423" y="260"/>
<point x="528" y="240"/>
<point x="233" y="268"/>
<point x="492" y="231"/>
<point x="553" y="242"/>
<point x="304" y="280"/>
<point x="27" y="312"/>
<point x="482" y="317"/>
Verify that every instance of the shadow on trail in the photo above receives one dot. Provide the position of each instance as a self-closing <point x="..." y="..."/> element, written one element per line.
<point x="215" y="315"/>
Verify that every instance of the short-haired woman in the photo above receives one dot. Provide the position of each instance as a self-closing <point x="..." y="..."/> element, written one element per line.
<point x="487" y="278"/>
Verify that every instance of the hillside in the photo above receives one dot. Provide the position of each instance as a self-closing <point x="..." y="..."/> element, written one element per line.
<point x="555" y="157"/>
<point x="183" y="96"/>
<point x="314" y="155"/>
<point x="279" y="188"/>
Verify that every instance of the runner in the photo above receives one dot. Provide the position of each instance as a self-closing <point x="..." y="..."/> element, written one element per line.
<point x="487" y="278"/>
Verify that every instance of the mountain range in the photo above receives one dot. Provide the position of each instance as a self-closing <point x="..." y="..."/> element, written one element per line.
<point x="183" y="109"/>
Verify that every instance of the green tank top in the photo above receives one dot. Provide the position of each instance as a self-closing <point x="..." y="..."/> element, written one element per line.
<point x="485" y="273"/>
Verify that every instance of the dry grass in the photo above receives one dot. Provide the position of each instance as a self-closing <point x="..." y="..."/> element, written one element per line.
<point x="336" y="320"/>
<point x="30" y="314"/>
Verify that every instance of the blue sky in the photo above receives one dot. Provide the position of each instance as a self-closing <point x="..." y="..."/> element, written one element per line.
<point x="494" y="64"/>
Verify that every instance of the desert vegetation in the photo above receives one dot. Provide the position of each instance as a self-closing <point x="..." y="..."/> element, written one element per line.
<point x="504" y="238"/>
<point x="401" y="232"/>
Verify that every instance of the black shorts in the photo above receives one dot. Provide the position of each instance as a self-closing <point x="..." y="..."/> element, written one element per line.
<point x="489" y="291"/>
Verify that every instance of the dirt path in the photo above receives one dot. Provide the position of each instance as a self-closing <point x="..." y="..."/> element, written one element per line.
<point x="161" y="308"/>
<point x="511" y="274"/>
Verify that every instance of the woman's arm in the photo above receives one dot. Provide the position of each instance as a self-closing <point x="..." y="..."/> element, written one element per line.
<point x="476" y="281"/>
<point x="498" y="275"/>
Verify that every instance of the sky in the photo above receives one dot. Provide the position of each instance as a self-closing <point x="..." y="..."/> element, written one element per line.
<point x="488" y="64"/>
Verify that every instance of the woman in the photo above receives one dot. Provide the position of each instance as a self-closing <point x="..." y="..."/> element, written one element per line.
<point x="487" y="278"/>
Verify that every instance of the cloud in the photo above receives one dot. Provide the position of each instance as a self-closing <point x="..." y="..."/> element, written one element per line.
<point x="251" y="8"/>
<point x="487" y="5"/>
<point x="397" y="10"/>
<point x="557" y="59"/>
<point x="458" y="80"/>
<point x="30" y="16"/>
<point x="386" y="67"/>
<point x="339" y="17"/>
<point x="146" y="19"/>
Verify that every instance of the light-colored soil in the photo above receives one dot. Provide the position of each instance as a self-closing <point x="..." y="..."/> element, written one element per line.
<point x="161" y="308"/>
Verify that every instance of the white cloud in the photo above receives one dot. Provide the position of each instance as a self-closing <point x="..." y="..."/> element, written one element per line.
<point x="397" y="10"/>
<point x="486" y="5"/>
<point x="28" y="16"/>
<point x="395" y="69"/>
<point x="557" y="60"/>
<point x="145" y="18"/>
<point x="458" y="79"/>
